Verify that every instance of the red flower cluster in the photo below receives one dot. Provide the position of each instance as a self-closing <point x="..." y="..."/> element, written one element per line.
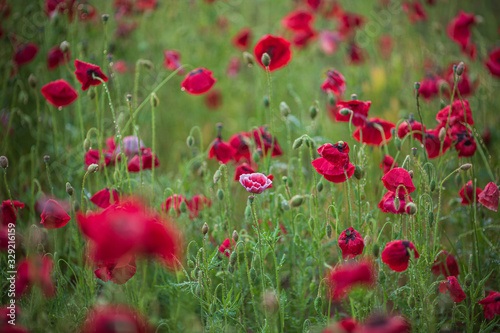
<point x="396" y="255"/>
<point x="300" y="23"/>
<point x="375" y="132"/>
<point x="7" y="212"/>
<point x="387" y="164"/>
<point x="242" y="39"/>
<point x="35" y="270"/>
<point x="104" y="198"/>
<point x="117" y="272"/>
<point x="57" y="57"/>
<point x="358" y="111"/>
<point x="489" y="197"/>
<point x="334" y="162"/>
<point x="467" y="194"/>
<point x="196" y="204"/>
<point x="415" y="11"/>
<point x="396" y="180"/>
<point x="335" y="83"/>
<point x="344" y="277"/>
<point x="491" y="305"/>
<point x="226" y="247"/>
<point x="172" y="60"/>
<point x="493" y="62"/>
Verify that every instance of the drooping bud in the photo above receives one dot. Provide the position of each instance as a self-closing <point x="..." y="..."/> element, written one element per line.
<point x="253" y="274"/>
<point x="460" y="68"/>
<point x="256" y="155"/>
<point x="266" y="60"/>
<point x="235" y="236"/>
<point x="91" y="93"/>
<point x="285" y="205"/>
<point x="318" y="304"/>
<point x="284" y="109"/>
<point x="296" y="200"/>
<point x="92" y="168"/>
<point x="442" y="134"/>
<point x="69" y="189"/>
<point x="411" y="208"/>
<point x="190" y="264"/>
<point x="146" y="63"/>
<point x="329" y="230"/>
<point x="432" y="185"/>
<point x="298" y="143"/>
<point x="32" y="81"/>
<point x="64" y="46"/>
<point x="204" y="229"/>
<point x="248" y="213"/>
<point x="220" y="194"/>
<point x="4" y="162"/>
<point x="190" y="141"/>
<point x="217" y="176"/>
<point x="248" y="58"/>
<point x="87" y="144"/>
<point x="375" y="250"/>
<point x="396" y="203"/>
<point x="465" y="167"/>
<point x="233" y="258"/>
<point x="430" y="217"/>
<point x="411" y="174"/>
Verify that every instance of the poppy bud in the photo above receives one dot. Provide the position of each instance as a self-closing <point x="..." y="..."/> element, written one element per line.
<point x="331" y="99"/>
<point x="313" y="112"/>
<point x="411" y="174"/>
<point x="266" y="102"/>
<point x="248" y="213"/>
<point x="266" y="60"/>
<point x="411" y="208"/>
<point x="92" y="168"/>
<point x="204" y="229"/>
<point x="375" y="250"/>
<point x="155" y="101"/>
<point x="414" y="151"/>
<point x="460" y="68"/>
<point x="298" y="143"/>
<point x="430" y="216"/>
<point x="64" y="46"/>
<point x="284" y="205"/>
<point x="233" y="258"/>
<point x="397" y="143"/>
<point x="250" y="199"/>
<point x="32" y="81"/>
<point x="256" y="156"/>
<point x="91" y="93"/>
<point x="86" y="144"/>
<point x="284" y="109"/>
<point x="318" y="304"/>
<point x="319" y="187"/>
<point x="46" y="159"/>
<point x="190" y="141"/>
<point x="345" y="111"/>
<point x="190" y="264"/>
<point x="235" y="236"/>
<point x="69" y="189"/>
<point x="465" y="167"/>
<point x="220" y="194"/>
<point x="146" y="63"/>
<point x="248" y="58"/>
<point x="432" y="185"/>
<point x="329" y="230"/>
<point x="442" y="134"/>
<point x="354" y="97"/>
<point x="396" y="203"/>
<point x="296" y="200"/>
<point x="105" y="18"/>
<point x="358" y="172"/>
<point x="284" y="179"/>
<point x="183" y="206"/>
<point x="128" y="97"/>
<point x="253" y="274"/>
<point x="4" y="162"/>
<point x="417" y="87"/>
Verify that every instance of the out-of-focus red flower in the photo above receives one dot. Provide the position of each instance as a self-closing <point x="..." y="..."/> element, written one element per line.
<point x="173" y="201"/>
<point x="445" y="264"/>
<point x="124" y="29"/>
<point x="221" y="151"/>
<point x="103" y="198"/>
<point x="493" y="62"/>
<point x="451" y="284"/>
<point x="415" y="11"/>
<point x="351" y="243"/>
<point x="5" y="9"/>
<point x="134" y="165"/>
<point x="198" y="81"/>
<point x="356" y="55"/>
<point x="359" y="110"/>
<point x="242" y="39"/>
<point x="396" y="254"/>
<point x="433" y="144"/>
<point x="52" y="7"/>
<point x="346" y="325"/>
<point x="240" y="142"/>
<point x="334" y="162"/>
<point x="256" y="182"/>
<point x="370" y="133"/>
<point x="172" y="60"/>
<point x="429" y="87"/>
<point x="411" y="125"/>
<point x="491" y="305"/>
<point x="349" y="22"/>
<point x="388" y="163"/>
<point x="268" y="141"/>
<point x="386" y="45"/>
<point x="114" y="319"/>
<point x="334" y="83"/>
<point x="56" y="57"/>
<point x="298" y="20"/>
<point x="344" y="277"/>
<point x="35" y="270"/>
<point x="388" y="204"/>
<point x="145" y="5"/>
<point x="278" y="50"/>
<point x="329" y="40"/>
<point x="242" y="169"/>
<point x="313" y="4"/>
<point x="398" y="178"/>
<point x="85" y="73"/>
<point x="25" y="53"/>
<point x="464" y="85"/>
<point x="117" y="272"/>
<point x="465" y="144"/>
<point x="8" y="312"/>
<point x="381" y="324"/>
<point x="459" y="30"/>
<point x="54" y="216"/>
<point x="120" y="67"/>
<point x="489" y="196"/>
<point x="467" y="195"/>
<point x="7" y="213"/>
<point x="59" y="93"/>
<point x="197" y="204"/>
<point x="226" y="247"/>
<point x="213" y="100"/>
<point x="233" y="67"/>
<point x="92" y="157"/>
<point x="301" y="39"/>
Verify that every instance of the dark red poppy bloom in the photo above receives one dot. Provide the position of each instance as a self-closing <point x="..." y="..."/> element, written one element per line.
<point x="172" y="60"/>
<point x="429" y="87"/>
<point x="242" y="39"/>
<point x="25" y="53"/>
<point x="346" y="325"/>
<point x="92" y="157"/>
<point x="457" y="113"/>
<point x="344" y="277"/>
<point x="413" y="126"/>
<point x="298" y="20"/>
<point x="35" y="270"/>
<point x="134" y="164"/>
<point x="489" y="196"/>
<point x="451" y="284"/>
<point x="86" y="72"/>
<point x="381" y="324"/>
<point x="198" y="81"/>
<point x="445" y="264"/>
<point x="128" y="228"/>
<point x="467" y="195"/>
<point x="301" y="39"/>
<point x="241" y="143"/>
<point x="334" y="162"/>
<point x="349" y="22"/>
<point x="52" y="7"/>
<point x="433" y="144"/>
<point x="197" y="204"/>
<point x="493" y="62"/>
<point x="233" y="67"/>
<point x="359" y="110"/>
<point x="145" y="5"/>
<point x="173" y="201"/>
<point x="396" y="254"/>
<point x="222" y="151"/>
<point x="398" y="177"/>
<point x="56" y="57"/>
<point x="388" y="163"/>
<point x="465" y="144"/>
<point x="278" y="50"/>
<point x="329" y="41"/>
<point x="334" y="83"/>
<point x="351" y="243"/>
<point x="459" y="29"/>
<point x="464" y="85"/>
<point x="115" y="319"/>
<point x="117" y="272"/>
<point x="226" y="247"/>
<point x="355" y="54"/>
<point x="268" y="141"/>
<point x="415" y="11"/>
<point x="59" y="93"/>
<point x="388" y="204"/>
<point x="372" y="134"/>
<point x="491" y="305"/>
<point x="242" y="169"/>
<point x="213" y="100"/>
<point x="256" y="182"/>
<point x="103" y="198"/>
<point x="86" y="12"/>
<point x="54" y="216"/>
<point x="7" y="212"/>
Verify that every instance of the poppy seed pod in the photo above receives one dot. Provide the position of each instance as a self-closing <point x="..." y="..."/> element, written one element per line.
<point x="204" y="229"/>
<point x="297" y="200"/>
<point x="284" y="109"/>
<point x="266" y="60"/>
<point x="4" y="162"/>
<point x="69" y="189"/>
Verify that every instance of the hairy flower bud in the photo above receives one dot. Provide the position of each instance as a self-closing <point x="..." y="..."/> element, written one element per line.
<point x="204" y="229"/>
<point x="220" y="194"/>
<point x="298" y="143"/>
<point x="69" y="189"/>
<point x="235" y="236"/>
<point x="64" y="46"/>
<point x="248" y="58"/>
<point x="411" y="208"/>
<point x="284" y="109"/>
<point x="442" y="134"/>
<point x="92" y="168"/>
<point x="319" y="187"/>
<point x="460" y="68"/>
<point x="296" y="200"/>
<point x="4" y="162"/>
<point x="313" y="112"/>
<point x="190" y="141"/>
<point x="465" y="167"/>
<point x="155" y="101"/>
<point x="266" y="60"/>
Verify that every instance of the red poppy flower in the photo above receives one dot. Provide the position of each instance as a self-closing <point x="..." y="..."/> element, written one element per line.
<point x="493" y="62"/>
<point x="242" y="169"/>
<point x="433" y="144"/>
<point x="56" y="57"/>
<point x="415" y="11"/>
<point x="329" y="41"/>
<point x="388" y="163"/>
<point x="459" y="29"/>
<point x="221" y="150"/>
<point x="233" y="68"/>
<point x="359" y="110"/>
<point x="52" y="7"/>
<point x="278" y="50"/>
<point x="380" y="324"/>
<point x="117" y="272"/>
<point x="59" y="93"/>
<point x="226" y="247"/>
<point x="346" y="325"/>
<point x="197" y="204"/>
<point x="242" y="39"/>
<point x="465" y="144"/>
<point x="349" y="22"/>
<point x="54" y="216"/>
<point x="334" y="162"/>
<point x="385" y="46"/>
<point x="7" y="213"/>
<point x="451" y="284"/>
<point x="488" y="197"/>
<point x="268" y="141"/>
<point x="240" y="142"/>
<point x="429" y="87"/>
<point x="198" y="81"/>
<point x="147" y="161"/>
<point x="256" y="182"/>
<point x="25" y="53"/>
<point x="114" y="319"/>
<point x="128" y="228"/>
<point x="464" y="85"/>
<point x="334" y="83"/>
<point x="124" y="29"/>
<point x="92" y="157"/>
<point x="396" y="254"/>
<point x="144" y="5"/>
<point x="7" y="312"/>
<point x="298" y="20"/>
<point x="213" y="99"/>
<point x="469" y="199"/>
<point x="35" y="270"/>
<point x="351" y="243"/>
<point x="172" y="60"/>
<point x="86" y="72"/>
<point x="313" y="4"/>
<point x="388" y="205"/>
<point x="457" y="113"/>
<point x="173" y="201"/>
<point x="355" y="54"/>
<point x="445" y="264"/>
<point x="398" y="177"/>
<point x="371" y="132"/>
<point x="5" y="9"/>
<point x="491" y="305"/>
<point x="86" y="12"/>
<point x="102" y="198"/>
<point x="411" y="125"/>
<point x="302" y="38"/>
<point x="120" y="67"/>
<point x="346" y="276"/>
